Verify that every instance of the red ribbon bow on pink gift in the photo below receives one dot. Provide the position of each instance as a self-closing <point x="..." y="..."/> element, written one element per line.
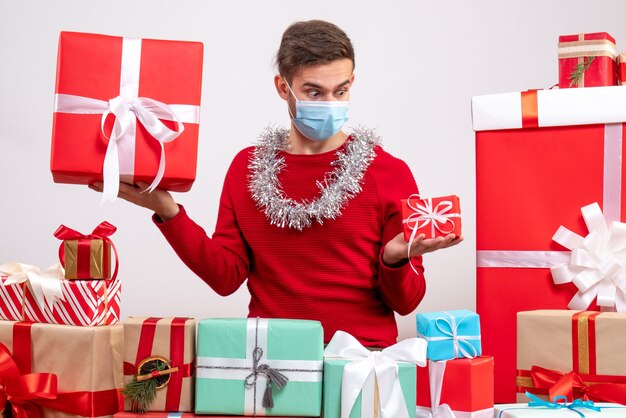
<point x="102" y="231"/>
<point x="570" y="384"/>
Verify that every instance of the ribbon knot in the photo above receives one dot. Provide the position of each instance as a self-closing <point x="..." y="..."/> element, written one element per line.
<point x="426" y="214"/>
<point x="560" y="402"/>
<point x="272" y="376"/>
<point x="597" y="262"/>
<point x="24" y="391"/>
<point x="45" y="286"/>
<point x="383" y="364"/>
<point x="149" y="113"/>
<point x="103" y="231"/>
<point x="449" y="327"/>
<point x="571" y="384"/>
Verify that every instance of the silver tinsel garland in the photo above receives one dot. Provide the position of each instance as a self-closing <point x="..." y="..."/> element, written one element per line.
<point x="338" y="186"/>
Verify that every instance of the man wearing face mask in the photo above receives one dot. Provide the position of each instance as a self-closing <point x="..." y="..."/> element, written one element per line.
<point x="317" y="232"/>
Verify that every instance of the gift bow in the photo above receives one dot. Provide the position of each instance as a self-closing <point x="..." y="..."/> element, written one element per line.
<point x="102" y="231"/>
<point x="597" y="262"/>
<point x="451" y="332"/>
<point x="436" y="371"/>
<point x="382" y="363"/>
<point x="24" y="391"/>
<point x="436" y="216"/>
<point x="568" y="384"/>
<point x="46" y="286"/>
<point x="127" y="110"/>
<point x="560" y="402"/>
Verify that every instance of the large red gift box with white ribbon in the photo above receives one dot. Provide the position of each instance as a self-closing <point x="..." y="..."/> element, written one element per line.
<point x="126" y="108"/>
<point x="542" y="158"/>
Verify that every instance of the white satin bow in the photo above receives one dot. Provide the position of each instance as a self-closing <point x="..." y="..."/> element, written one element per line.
<point x="146" y="110"/>
<point x="437" y="216"/>
<point x="45" y="286"/>
<point x="436" y="372"/>
<point x="382" y="363"/>
<point x="597" y="262"/>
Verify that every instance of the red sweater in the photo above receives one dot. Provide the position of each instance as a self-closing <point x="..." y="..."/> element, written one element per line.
<point x="333" y="272"/>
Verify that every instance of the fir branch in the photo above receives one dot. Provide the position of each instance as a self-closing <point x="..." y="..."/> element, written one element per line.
<point x="142" y="394"/>
<point x="578" y="73"/>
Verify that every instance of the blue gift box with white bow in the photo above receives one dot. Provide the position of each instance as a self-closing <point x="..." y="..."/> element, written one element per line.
<point x="450" y="334"/>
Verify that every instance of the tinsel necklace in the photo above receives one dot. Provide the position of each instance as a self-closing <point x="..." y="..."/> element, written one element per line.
<point x="336" y="189"/>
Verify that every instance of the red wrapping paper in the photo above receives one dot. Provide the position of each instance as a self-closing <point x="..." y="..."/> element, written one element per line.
<point x="467" y="385"/>
<point x="529" y="182"/>
<point x="576" y="49"/>
<point x="418" y="213"/>
<point x="621" y="69"/>
<point x="86" y="303"/>
<point x="89" y="65"/>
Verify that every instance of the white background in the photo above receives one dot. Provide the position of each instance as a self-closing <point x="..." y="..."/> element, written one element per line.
<point x="418" y="63"/>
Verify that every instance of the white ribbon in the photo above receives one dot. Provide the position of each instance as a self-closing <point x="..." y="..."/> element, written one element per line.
<point x="597" y="262"/>
<point x="127" y="109"/>
<point x="382" y="363"/>
<point x="46" y="287"/>
<point x="436" y="371"/>
<point x="424" y="214"/>
<point x="239" y="369"/>
<point x="451" y="332"/>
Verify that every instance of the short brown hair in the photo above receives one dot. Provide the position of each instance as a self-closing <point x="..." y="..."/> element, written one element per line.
<point x="311" y="42"/>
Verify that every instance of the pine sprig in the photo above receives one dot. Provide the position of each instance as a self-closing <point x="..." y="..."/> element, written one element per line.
<point x="142" y="394"/>
<point x="579" y="71"/>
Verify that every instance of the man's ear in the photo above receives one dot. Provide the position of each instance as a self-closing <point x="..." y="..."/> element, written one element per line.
<point x="281" y="87"/>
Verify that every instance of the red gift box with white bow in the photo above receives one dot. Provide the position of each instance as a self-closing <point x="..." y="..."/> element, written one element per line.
<point x="126" y="108"/>
<point x="433" y="217"/>
<point x="542" y="159"/>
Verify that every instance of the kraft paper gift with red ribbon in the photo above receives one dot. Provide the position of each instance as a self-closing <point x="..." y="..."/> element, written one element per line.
<point x="59" y="371"/>
<point x="592" y="55"/>
<point x="173" y="339"/>
<point x="541" y="157"/>
<point x="576" y="354"/>
<point x="433" y="217"/>
<point x="126" y="109"/>
<point x="29" y="294"/>
<point x="463" y="387"/>
<point x="87" y="256"/>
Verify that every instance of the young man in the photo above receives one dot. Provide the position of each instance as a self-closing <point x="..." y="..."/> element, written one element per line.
<point x="310" y="216"/>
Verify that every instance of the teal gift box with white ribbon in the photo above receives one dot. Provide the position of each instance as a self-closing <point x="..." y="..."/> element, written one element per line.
<point x="450" y="334"/>
<point x="259" y="366"/>
<point x="359" y="383"/>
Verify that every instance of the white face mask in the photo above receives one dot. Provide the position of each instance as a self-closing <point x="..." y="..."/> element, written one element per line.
<point x="319" y="120"/>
